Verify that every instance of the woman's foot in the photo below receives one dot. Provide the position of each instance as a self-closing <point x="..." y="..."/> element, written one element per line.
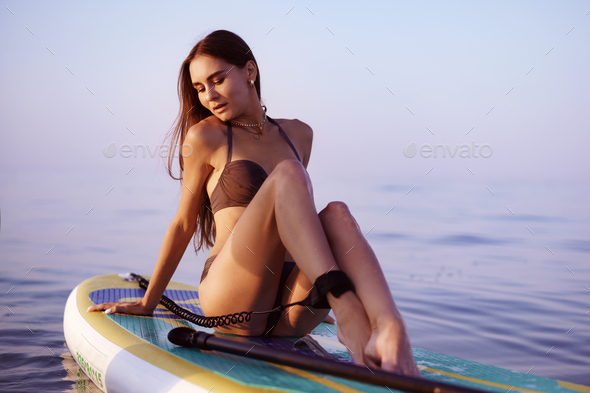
<point x="389" y="348"/>
<point x="384" y="345"/>
<point x="354" y="328"/>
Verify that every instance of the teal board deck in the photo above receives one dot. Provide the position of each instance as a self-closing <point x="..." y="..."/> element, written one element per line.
<point x="256" y="374"/>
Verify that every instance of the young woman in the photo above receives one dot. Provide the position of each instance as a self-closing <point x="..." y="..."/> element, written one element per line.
<point x="245" y="186"/>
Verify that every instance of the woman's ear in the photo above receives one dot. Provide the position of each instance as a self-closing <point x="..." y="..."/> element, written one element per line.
<point x="251" y="70"/>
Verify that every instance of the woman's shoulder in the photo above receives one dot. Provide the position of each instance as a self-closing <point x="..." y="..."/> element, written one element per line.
<point x="301" y="135"/>
<point x="209" y="132"/>
<point x="296" y="127"/>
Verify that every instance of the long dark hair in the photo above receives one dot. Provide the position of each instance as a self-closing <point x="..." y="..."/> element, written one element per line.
<point x="232" y="49"/>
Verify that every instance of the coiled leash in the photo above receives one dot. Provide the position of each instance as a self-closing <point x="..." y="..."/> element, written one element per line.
<point x="335" y="282"/>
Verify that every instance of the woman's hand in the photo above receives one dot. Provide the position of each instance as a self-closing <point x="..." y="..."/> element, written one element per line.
<point x="135" y="308"/>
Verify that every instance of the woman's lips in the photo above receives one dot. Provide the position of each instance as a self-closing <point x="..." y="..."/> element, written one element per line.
<point x="220" y="108"/>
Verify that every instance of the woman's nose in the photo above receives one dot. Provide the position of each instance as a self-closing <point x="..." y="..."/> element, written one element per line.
<point x="211" y="93"/>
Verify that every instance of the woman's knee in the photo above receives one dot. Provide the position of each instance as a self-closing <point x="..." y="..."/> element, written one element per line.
<point x="337" y="213"/>
<point x="290" y="171"/>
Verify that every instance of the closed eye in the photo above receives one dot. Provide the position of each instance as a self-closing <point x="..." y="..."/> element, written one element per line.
<point x="216" y="83"/>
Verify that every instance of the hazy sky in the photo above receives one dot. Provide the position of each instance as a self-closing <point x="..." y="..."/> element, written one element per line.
<point x="369" y="77"/>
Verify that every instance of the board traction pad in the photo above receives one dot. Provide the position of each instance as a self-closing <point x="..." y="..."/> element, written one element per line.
<point x="257" y="374"/>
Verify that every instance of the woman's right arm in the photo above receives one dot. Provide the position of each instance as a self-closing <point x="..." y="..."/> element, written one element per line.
<point x="197" y="152"/>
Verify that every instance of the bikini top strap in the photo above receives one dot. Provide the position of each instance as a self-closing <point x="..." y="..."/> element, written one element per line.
<point x="286" y="137"/>
<point x="229" y="141"/>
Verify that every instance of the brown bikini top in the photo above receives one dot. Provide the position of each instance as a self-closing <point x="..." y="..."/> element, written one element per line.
<point x="240" y="180"/>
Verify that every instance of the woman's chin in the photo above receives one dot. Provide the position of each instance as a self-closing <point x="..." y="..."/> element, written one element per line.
<point x="223" y="116"/>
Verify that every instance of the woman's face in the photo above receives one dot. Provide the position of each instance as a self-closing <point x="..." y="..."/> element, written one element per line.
<point x="222" y="87"/>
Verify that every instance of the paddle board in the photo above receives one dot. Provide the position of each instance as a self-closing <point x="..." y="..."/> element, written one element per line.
<point x="128" y="353"/>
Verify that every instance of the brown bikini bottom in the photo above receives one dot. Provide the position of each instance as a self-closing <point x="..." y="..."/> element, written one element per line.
<point x="273" y="318"/>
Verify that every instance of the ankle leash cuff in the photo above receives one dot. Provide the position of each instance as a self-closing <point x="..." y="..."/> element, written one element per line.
<point x="335" y="282"/>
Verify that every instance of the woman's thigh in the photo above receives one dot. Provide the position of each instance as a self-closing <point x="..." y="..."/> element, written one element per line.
<point x="246" y="272"/>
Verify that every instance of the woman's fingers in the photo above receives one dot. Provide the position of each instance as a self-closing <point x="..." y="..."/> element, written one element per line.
<point x="370" y="362"/>
<point x="401" y="361"/>
<point x="390" y="366"/>
<point x="114" y="309"/>
<point x="392" y="360"/>
<point x="100" y="307"/>
<point x="390" y="350"/>
<point x="126" y="308"/>
<point x="409" y="368"/>
<point x="358" y="359"/>
<point x="415" y="372"/>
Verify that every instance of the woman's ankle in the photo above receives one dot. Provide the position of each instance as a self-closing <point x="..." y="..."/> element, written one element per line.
<point x="346" y="304"/>
<point x="387" y="321"/>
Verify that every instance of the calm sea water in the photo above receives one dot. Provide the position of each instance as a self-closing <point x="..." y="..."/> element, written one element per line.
<point x="498" y="275"/>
